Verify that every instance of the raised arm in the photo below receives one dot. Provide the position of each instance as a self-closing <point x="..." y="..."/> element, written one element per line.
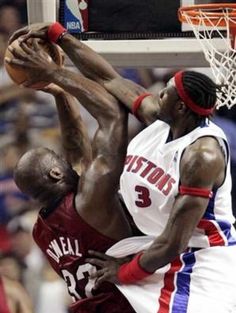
<point x="90" y="94"/>
<point x="75" y="140"/>
<point x="101" y="179"/>
<point x="95" y="67"/>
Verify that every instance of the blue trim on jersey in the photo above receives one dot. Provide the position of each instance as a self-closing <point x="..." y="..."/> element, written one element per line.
<point x="181" y="297"/>
<point x="226" y="228"/>
<point x="224" y="225"/>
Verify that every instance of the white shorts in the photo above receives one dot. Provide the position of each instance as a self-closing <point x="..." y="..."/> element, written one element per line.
<point x="202" y="281"/>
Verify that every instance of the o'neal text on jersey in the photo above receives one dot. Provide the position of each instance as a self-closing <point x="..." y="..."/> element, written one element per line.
<point x="150" y="172"/>
<point x="63" y="246"/>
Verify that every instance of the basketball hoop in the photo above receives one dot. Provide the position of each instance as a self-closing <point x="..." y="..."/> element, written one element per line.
<point x="211" y="23"/>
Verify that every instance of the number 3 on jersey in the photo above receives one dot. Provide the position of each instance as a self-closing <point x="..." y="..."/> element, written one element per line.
<point x="83" y="272"/>
<point x="143" y="197"/>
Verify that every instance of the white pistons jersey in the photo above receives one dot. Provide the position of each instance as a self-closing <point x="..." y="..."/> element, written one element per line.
<point x="150" y="183"/>
<point x="202" y="279"/>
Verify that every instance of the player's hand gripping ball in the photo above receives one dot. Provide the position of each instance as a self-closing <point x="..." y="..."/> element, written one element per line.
<point x="19" y="74"/>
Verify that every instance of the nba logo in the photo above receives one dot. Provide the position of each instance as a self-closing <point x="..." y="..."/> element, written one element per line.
<point x="76" y="15"/>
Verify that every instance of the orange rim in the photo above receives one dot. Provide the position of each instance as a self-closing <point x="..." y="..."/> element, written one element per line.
<point x="210" y="11"/>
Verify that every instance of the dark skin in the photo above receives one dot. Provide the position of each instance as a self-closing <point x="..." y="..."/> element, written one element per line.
<point x="201" y="157"/>
<point x="99" y="174"/>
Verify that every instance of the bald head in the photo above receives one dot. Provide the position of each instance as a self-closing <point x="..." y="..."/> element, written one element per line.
<point x="42" y="174"/>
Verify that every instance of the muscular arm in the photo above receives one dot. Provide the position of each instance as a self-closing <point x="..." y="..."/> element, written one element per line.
<point x="92" y="96"/>
<point x="95" y="67"/>
<point x="96" y="100"/>
<point x="99" y="183"/>
<point x="202" y="157"/>
<point x="75" y="139"/>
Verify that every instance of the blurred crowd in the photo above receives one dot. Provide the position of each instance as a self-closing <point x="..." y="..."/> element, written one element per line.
<point x="28" y="119"/>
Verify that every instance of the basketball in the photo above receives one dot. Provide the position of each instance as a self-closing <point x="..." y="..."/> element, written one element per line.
<point x="19" y="75"/>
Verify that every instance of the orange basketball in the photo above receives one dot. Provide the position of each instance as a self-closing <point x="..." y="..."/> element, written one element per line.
<point x="19" y="75"/>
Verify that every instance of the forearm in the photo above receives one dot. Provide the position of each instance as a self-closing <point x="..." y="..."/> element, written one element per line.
<point x="159" y="254"/>
<point x="128" y="92"/>
<point x="95" y="67"/>
<point x="145" y="264"/>
<point x="90" y="63"/>
<point x="75" y="140"/>
<point x="183" y="220"/>
<point x="96" y="100"/>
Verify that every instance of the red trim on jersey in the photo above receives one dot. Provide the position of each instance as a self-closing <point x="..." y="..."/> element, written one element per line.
<point x="3" y="301"/>
<point x="187" y="99"/>
<point x="211" y="231"/>
<point x="193" y="191"/>
<point x="169" y="286"/>
<point x="132" y="272"/>
<point x="137" y="102"/>
<point x="55" y="31"/>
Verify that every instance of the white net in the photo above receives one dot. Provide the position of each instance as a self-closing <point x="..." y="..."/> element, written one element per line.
<point x="222" y="58"/>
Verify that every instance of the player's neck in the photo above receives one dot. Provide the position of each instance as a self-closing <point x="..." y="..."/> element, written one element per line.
<point x="182" y="128"/>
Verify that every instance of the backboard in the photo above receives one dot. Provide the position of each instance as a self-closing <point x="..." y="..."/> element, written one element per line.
<point x="132" y="34"/>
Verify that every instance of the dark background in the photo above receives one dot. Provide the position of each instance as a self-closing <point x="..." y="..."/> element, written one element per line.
<point x="134" y="15"/>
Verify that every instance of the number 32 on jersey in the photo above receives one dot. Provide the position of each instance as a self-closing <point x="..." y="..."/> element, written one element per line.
<point x="81" y="278"/>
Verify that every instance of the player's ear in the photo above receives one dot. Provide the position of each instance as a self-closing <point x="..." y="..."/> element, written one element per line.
<point x="181" y="107"/>
<point x="55" y="173"/>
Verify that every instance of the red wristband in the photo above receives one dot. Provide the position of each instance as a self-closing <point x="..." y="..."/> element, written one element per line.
<point x="137" y="102"/>
<point x="198" y="192"/>
<point x="131" y="272"/>
<point x="55" y="31"/>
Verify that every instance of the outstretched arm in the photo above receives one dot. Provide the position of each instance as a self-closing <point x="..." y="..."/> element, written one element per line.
<point x="109" y="145"/>
<point x="91" y="95"/>
<point x="95" y="67"/>
<point x="75" y="140"/>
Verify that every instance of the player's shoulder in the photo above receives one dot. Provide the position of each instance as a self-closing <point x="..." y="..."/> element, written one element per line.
<point x="204" y="152"/>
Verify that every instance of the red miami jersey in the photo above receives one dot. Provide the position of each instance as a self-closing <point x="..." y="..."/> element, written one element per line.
<point x="65" y="238"/>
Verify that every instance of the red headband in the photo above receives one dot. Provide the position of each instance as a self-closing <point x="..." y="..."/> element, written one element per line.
<point x="186" y="98"/>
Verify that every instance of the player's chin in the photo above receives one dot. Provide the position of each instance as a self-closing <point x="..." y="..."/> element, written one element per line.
<point x="163" y="117"/>
<point x="159" y="113"/>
